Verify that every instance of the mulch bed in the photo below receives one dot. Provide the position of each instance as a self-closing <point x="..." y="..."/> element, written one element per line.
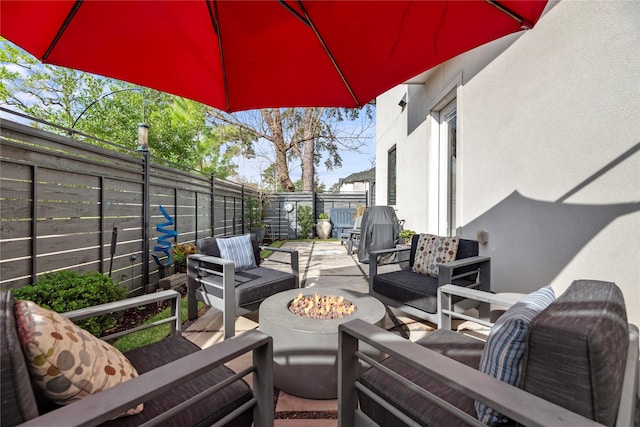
<point x="136" y="316"/>
<point x="133" y="317"/>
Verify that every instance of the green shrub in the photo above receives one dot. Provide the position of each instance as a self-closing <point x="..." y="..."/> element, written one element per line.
<point x="407" y="234"/>
<point x="307" y="223"/>
<point x="67" y="290"/>
<point x="323" y="216"/>
<point x="253" y="212"/>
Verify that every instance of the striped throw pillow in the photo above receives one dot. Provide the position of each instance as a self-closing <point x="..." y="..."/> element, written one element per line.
<point x="239" y="250"/>
<point x="505" y="346"/>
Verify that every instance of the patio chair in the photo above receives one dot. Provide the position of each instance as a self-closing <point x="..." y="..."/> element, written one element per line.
<point x="351" y="236"/>
<point x="415" y="293"/>
<point x="341" y="220"/>
<point x="179" y="383"/>
<point x="574" y="363"/>
<point x="235" y="284"/>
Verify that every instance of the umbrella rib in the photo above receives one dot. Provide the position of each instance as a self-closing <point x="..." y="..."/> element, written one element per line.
<point x="294" y="12"/>
<point x="524" y="24"/>
<point x="326" y="49"/>
<point x="215" y="22"/>
<point x="62" y="28"/>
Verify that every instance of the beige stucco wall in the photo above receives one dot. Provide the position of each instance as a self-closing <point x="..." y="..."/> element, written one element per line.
<point x="549" y="149"/>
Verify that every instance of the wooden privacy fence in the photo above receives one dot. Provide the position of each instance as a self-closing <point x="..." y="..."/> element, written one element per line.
<point x="282" y="223"/>
<point x="61" y="199"/>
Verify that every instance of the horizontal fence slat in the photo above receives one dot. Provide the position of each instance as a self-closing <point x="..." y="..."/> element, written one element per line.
<point x="14" y="230"/>
<point x="71" y="209"/>
<point x="12" y="210"/>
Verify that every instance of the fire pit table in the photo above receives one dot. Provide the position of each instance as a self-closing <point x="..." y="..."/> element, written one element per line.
<point x="305" y="350"/>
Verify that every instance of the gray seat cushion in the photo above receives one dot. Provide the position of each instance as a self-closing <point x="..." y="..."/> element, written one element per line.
<point x="253" y="285"/>
<point x="419" y="290"/>
<point x="580" y="340"/>
<point x="459" y="347"/>
<point x="204" y="413"/>
<point x="413" y="289"/>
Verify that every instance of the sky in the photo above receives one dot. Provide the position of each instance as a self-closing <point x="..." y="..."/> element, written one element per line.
<point x="352" y="162"/>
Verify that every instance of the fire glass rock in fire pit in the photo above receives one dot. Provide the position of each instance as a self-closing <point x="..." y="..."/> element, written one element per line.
<point x="305" y="350"/>
<point x="321" y="307"/>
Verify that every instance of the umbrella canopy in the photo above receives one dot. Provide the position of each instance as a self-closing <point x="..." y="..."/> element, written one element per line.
<point x="240" y="55"/>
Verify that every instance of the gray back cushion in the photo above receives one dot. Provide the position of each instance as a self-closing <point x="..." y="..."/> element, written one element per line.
<point x="577" y="349"/>
<point x="18" y="400"/>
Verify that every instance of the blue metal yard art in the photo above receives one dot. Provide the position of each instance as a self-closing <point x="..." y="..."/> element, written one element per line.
<point x="164" y="239"/>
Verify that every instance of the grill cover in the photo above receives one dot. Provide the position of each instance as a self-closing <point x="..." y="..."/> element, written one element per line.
<point x="380" y="230"/>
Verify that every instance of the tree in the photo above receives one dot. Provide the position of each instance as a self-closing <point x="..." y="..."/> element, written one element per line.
<point x="306" y="135"/>
<point x="179" y="129"/>
<point x="319" y="186"/>
<point x="335" y="188"/>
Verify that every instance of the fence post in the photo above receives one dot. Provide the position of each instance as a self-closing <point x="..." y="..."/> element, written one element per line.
<point x="314" y="201"/>
<point x="213" y="202"/>
<point x="146" y="220"/>
<point x="34" y="223"/>
<point x="101" y="221"/>
<point x="242" y="209"/>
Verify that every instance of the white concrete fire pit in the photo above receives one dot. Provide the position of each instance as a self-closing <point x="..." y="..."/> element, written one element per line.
<point x="305" y="350"/>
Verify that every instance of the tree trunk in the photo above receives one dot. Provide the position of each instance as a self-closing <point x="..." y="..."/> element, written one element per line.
<point x="274" y="121"/>
<point x="309" y="125"/>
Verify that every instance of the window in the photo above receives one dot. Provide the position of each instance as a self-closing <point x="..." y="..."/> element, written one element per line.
<point x="448" y="139"/>
<point x="391" y="176"/>
<point x="453" y="174"/>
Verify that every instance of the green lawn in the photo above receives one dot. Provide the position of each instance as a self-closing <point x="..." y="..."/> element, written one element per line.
<point x="151" y="335"/>
<point x="274" y="244"/>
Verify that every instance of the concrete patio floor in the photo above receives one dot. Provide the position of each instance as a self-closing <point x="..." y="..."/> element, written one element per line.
<point x="324" y="264"/>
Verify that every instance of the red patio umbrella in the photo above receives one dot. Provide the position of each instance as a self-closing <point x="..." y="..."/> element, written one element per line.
<point x="239" y="55"/>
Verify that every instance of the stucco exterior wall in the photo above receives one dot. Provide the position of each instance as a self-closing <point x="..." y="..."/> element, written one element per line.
<point x="549" y="149"/>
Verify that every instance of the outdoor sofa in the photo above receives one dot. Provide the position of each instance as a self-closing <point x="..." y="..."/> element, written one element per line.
<point x="180" y="384"/>
<point x="416" y="293"/>
<point x="573" y="363"/>
<point x="224" y="285"/>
